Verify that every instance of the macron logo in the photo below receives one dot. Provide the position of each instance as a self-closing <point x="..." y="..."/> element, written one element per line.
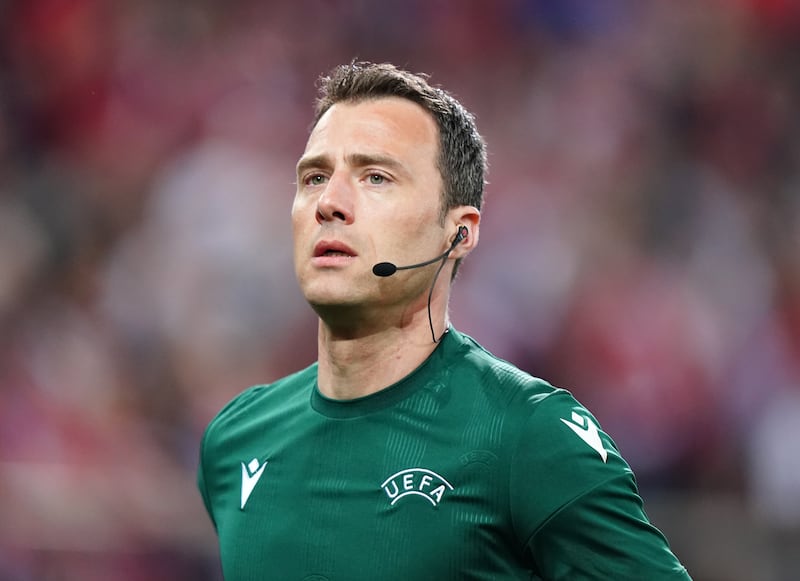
<point x="587" y="431"/>
<point x="251" y="472"/>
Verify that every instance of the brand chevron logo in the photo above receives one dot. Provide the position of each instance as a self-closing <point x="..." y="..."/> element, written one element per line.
<point x="588" y="432"/>
<point x="251" y="472"/>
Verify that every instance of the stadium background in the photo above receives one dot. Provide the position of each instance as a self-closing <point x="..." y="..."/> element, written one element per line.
<point x="641" y="247"/>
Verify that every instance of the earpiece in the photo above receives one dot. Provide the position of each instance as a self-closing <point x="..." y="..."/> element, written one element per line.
<point x="383" y="269"/>
<point x="463" y="232"/>
<point x="388" y="269"/>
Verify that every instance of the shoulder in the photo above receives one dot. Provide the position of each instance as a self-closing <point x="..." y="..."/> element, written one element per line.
<point x="545" y="426"/>
<point x="509" y="386"/>
<point x="259" y="401"/>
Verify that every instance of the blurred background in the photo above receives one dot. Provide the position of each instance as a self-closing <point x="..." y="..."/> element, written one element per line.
<point x="640" y="247"/>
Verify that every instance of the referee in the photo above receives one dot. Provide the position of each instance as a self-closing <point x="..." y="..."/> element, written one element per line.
<point x="407" y="451"/>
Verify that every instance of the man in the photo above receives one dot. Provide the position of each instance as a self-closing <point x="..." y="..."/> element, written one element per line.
<point x="407" y="451"/>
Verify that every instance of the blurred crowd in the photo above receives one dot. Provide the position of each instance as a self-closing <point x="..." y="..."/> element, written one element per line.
<point x="640" y="247"/>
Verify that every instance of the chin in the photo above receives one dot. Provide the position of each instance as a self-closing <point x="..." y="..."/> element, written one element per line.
<point x="328" y="296"/>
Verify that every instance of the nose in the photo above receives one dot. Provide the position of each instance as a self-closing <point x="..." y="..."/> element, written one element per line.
<point x="337" y="200"/>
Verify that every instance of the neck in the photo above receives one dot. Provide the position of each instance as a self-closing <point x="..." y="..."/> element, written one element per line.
<point x="359" y="360"/>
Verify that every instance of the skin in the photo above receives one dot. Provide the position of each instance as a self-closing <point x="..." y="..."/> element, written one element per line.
<point x="368" y="191"/>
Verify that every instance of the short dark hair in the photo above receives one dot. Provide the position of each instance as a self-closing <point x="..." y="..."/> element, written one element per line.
<point x="462" y="151"/>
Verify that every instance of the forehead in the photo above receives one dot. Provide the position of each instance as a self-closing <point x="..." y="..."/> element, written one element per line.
<point x="390" y="124"/>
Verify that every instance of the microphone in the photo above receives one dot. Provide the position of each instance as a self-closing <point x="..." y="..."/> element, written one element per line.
<point x="384" y="269"/>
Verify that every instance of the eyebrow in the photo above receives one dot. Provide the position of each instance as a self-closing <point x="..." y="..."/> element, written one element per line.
<point x="365" y="159"/>
<point x="305" y="163"/>
<point x="355" y="160"/>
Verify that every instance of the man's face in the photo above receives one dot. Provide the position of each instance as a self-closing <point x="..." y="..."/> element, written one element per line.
<point x="368" y="191"/>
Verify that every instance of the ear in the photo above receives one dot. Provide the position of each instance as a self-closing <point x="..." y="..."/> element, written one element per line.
<point x="467" y="216"/>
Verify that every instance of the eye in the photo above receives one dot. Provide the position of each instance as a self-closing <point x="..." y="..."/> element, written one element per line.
<point x="376" y="179"/>
<point x="315" y="179"/>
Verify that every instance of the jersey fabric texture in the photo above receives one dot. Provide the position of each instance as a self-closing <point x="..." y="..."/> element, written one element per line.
<point x="468" y="468"/>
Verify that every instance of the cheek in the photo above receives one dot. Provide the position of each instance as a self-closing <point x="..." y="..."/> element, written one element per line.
<point x="301" y="214"/>
<point x="297" y="208"/>
<point x="300" y="228"/>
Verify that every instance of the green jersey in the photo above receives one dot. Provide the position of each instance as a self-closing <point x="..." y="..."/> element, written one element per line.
<point x="466" y="469"/>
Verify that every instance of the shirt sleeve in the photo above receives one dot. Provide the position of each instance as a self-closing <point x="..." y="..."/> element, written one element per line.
<point x="201" y="478"/>
<point x="575" y="504"/>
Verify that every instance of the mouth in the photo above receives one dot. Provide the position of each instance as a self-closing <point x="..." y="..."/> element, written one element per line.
<point x="333" y="249"/>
